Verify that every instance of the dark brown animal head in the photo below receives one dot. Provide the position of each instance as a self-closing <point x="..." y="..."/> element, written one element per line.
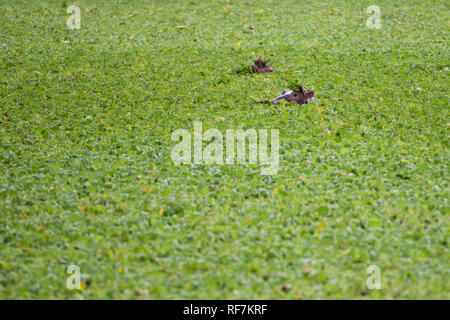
<point x="301" y="96"/>
<point x="261" y="66"/>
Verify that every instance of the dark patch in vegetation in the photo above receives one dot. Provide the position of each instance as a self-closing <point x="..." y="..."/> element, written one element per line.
<point x="259" y="66"/>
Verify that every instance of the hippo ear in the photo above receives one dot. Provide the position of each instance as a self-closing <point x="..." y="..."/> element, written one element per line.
<point x="309" y="94"/>
<point x="302" y="92"/>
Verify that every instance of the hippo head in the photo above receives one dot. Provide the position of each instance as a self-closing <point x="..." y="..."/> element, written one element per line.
<point x="261" y="66"/>
<point x="301" y="96"/>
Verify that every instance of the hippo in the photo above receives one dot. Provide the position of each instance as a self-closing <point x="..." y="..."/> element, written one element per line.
<point x="301" y="96"/>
